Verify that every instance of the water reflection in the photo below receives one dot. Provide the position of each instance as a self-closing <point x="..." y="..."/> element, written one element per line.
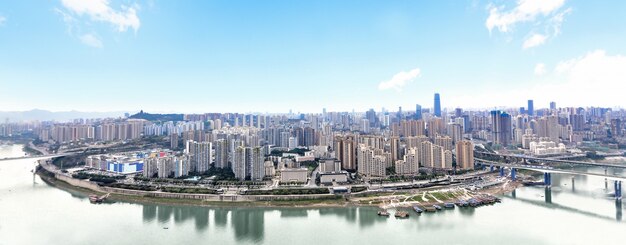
<point x="220" y="216"/>
<point x="164" y="213"/>
<point x="294" y="213"/>
<point x="618" y="210"/>
<point x="248" y="224"/>
<point x="202" y="219"/>
<point x="467" y="211"/>
<point x="368" y="217"/>
<point x="349" y="214"/>
<point x="149" y="212"/>
<point x="548" y="195"/>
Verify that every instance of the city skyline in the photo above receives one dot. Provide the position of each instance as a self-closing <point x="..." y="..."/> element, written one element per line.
<point x="258" y="122"/>
<point x="107" y="55"/>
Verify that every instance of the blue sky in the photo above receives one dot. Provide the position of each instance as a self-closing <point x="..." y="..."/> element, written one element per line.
<point x="272" y="56"/>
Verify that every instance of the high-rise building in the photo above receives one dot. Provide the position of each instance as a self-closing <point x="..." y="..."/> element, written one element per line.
<point x="221" y="153"/>
<point x="345" y="151"/>
<point x="418" y="112"/>
<point x="531" y="108"/>
<point x="258" y="168"/>
<point x="200" y="155"/>
<point x="616" y="128"/>
<point x="458" y="112"/>
<point x="371" y="163"/>
<point x="394" y="148"/>
<point x="181" y="166"/>
<point x="437" y="105"/>
<point x="372" y="118"/>
<point x="365" y="126"/>
<point x="445" y="142"/>
<point x="438" y="156"/>
<point x="464" y="155"/>
<point x="239" y="163"/>
<point x="174" y="141"/>
<point x="426" y="154"/>
<point x="165" y="166"/>
<point x="552" y="105"/>
<point x="410" y="164"/>
<point x="150" y="167"/>
<point x="501" y="127"/>
<point x="577" y="121"/>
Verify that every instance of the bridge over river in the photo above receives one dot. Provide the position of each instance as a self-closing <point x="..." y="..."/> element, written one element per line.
<point x="47" y="156"/>
<point x="545" y="166"/>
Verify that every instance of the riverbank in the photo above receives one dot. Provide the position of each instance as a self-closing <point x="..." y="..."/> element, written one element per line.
<point x="334" y="202"/>
<point x="367" y="199"/>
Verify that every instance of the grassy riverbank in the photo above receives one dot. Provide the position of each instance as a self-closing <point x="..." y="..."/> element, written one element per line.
<point x="332" y="202"/>
<point x="424" y="196"/>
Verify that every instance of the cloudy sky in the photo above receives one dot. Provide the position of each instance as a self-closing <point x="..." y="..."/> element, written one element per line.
<point x="272" y="56"/>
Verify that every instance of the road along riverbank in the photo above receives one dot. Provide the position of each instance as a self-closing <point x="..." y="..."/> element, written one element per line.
<point x="404" y="198"/>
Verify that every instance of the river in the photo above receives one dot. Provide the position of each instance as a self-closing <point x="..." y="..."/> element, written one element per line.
<point x="32" y="212"/>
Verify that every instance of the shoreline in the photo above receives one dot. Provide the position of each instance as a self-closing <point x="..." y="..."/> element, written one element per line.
<point x="376" y="200"/>
<point x="312" y="203"/>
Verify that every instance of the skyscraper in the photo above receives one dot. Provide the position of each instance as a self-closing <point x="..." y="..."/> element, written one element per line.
<point x="418" y="112"/>
<point x="437" y="105"/>
<point x="248" y="163"/>
<point x="531" y="108"/>
<point x="372" y="118"/>
<point x="464" y="155"/>
<point x="200" y="155"/>
<point x="174" y="141"/>
<point x="345" y="151"/>
<point x="221" y="153"/>
<point x="552" y="105"/>
<point x="239" y="163"/>
<point x="501" y="127"/>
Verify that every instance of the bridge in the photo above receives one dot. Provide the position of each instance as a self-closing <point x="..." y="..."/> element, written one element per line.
<point x="47" y="156"/>
<point x="548" y="171"/>
<point x="525" y="158"/>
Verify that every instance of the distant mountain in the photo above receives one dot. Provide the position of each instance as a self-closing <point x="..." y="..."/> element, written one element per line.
<point x="158" y="117"/>
<point x="62" y="116"/>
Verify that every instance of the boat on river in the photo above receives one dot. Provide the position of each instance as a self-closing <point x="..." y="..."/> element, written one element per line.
<point x="98" y="199"/>
<point x="402" y="214"/>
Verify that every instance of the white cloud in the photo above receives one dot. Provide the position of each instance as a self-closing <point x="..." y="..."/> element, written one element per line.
<point x="540" y="69"/>
<point x="545" y="15"/>
<point x="100" y="10"/>
<point x="526" y="10"/>
<point x="593" y="79"/>
<point x="401" y="79"/>
<point x="534" y="41"/>
<point x="2" y="20"/>
<point x="557" y="20"/>
<point x="91" y="40"/>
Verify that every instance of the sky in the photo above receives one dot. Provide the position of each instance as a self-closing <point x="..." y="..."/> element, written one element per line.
<point x="276" y="56"/>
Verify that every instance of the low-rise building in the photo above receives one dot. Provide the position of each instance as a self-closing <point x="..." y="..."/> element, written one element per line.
<point x="294" y="175"/>
<point x="547" y="148"/>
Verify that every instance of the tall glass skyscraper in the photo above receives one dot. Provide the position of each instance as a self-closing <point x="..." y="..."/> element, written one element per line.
<point x="418" y="112"/>
<point x="531" y="108"/>
<point x="437" y="105"/>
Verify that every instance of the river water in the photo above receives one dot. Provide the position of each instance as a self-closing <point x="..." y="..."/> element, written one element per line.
<point x="32" y="212"/>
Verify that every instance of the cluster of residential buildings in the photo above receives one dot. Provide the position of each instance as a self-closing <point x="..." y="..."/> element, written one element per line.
<point x="373" y="144"/>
